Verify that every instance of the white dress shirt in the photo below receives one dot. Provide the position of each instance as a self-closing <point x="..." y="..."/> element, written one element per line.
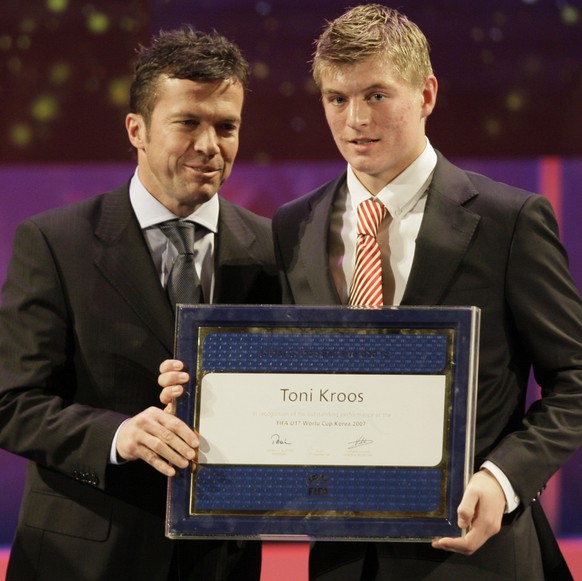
<point x="405" y="199"/>
<point x="150" y="213"/>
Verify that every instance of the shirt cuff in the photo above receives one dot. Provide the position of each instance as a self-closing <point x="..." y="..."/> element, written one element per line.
<point x="113" y="455"/>
<point x="511" y="498"/>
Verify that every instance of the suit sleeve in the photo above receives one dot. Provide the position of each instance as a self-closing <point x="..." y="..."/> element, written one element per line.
<point x="546" y="312"/>
<point x="40" y="417"/>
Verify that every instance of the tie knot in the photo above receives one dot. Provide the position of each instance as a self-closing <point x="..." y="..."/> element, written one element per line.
<point x="370" y="214"/>
<point x="181" y="234"/>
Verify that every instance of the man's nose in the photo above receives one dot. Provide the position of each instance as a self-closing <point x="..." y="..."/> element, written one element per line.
<point x="358" y="113"/>
<point x="207" y="142"/>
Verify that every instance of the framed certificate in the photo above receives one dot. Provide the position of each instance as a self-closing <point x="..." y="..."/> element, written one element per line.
<point x="325" y="422"/>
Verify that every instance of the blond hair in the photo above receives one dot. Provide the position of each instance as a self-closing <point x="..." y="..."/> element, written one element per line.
<point x="373" y="30"/>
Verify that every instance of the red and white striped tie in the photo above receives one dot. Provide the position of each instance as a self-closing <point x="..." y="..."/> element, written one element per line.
<point x="366" y="288"/>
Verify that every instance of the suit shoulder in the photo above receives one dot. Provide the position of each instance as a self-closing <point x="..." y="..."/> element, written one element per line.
<point x="252" y="219"/>
<point x="80" y="209"/>
<point x="301" y="205"/>
<point x="487" y="185"/>
<point x="469" y="186"/>
<point x="502" y="201"/>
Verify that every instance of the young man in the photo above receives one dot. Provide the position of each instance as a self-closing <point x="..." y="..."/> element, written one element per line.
<point x="86" y="319"/>
<point x="450" y="238"/>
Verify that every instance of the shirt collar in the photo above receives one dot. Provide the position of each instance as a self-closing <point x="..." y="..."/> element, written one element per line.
<point x="150" y="212"/>
<point x="402" y="193"/>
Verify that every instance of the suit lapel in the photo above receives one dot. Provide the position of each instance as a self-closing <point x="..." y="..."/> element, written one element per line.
<point x="313" y="255"/>
<point x="126" y="264"/>
<point x="236" y="269"/>
<point x="445" y="233"/>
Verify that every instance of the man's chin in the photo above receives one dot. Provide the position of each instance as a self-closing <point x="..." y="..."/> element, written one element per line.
<point x="203" y="193"/>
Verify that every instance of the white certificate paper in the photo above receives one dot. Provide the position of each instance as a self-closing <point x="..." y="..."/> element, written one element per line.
<point x="322" y="419"/>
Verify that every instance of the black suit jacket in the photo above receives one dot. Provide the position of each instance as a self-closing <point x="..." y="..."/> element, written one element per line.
<point x="84" y="326"/>
<point x="485" y="244"/>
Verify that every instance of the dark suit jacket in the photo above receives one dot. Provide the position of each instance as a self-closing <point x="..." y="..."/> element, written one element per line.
<point x="84" y="326"/>
<point x="485" y="244"/>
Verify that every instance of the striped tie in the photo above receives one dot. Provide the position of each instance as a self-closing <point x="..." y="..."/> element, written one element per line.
<point x="366" y="288"/>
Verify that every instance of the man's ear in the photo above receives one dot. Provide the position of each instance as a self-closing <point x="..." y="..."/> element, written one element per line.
<point x="429" y="95"/>
<point x="136" y="130"/>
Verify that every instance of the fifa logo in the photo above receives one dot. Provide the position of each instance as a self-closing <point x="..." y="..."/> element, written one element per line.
<point x="317" y="485"/>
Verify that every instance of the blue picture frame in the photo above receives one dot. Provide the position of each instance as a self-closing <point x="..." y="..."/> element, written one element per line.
<point x="299" y="502"/>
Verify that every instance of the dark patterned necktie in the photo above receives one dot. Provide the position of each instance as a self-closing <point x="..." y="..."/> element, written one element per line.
<point x="183" y="282"/>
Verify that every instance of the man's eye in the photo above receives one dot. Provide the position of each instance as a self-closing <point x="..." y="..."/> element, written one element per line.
<point x="337" y="100"/>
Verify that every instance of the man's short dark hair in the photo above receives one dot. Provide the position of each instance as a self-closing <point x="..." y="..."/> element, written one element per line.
<point x="183" y="54"/>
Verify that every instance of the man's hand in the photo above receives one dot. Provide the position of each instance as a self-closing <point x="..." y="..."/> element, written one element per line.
<point x="171" y="379"/>
<point x="158" y="438"/>
<point x="481" y="508"/>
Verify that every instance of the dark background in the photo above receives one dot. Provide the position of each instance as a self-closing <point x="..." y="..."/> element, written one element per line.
<point x="510" y="74"/>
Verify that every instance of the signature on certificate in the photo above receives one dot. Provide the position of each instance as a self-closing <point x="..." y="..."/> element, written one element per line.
<point x="362" y="441"/>
<point x="276" y="439"/>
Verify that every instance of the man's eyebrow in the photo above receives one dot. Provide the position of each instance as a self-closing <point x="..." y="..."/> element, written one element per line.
<point x="374" y="87"/>
<point x="183" y="113"/>
<point x="190" y="115"/>
<point x="231" y="119"/>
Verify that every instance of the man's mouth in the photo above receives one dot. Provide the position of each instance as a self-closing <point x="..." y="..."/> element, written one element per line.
<point x="205" y="169"/>
<point x="363" y="141"/>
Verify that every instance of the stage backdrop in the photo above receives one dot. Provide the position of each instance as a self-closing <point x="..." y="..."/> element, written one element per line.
<point x="26" y="190"/>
